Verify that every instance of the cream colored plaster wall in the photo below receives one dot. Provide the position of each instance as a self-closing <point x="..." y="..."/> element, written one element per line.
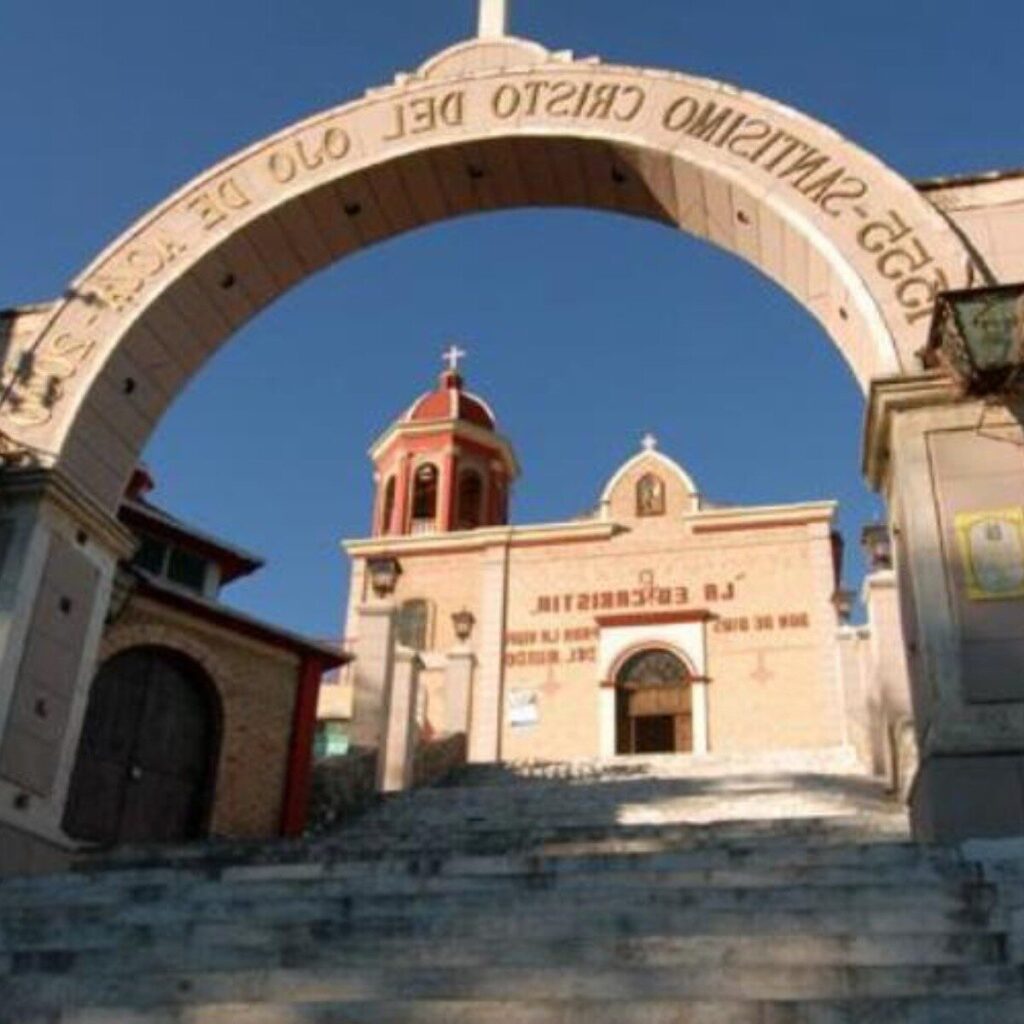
<point x="256" y="684"/>
<point x="449" y="582"/>
<point x="990" y="212"/>
<point x="772" y="657"/>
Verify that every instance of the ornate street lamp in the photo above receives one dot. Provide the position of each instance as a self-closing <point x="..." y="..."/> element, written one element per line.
<point x="384" y="572"/>
<point x="843" y="601"/>
<point x="121" y="589"/>
<point x="978" y="334"/>
<point x="877" y="543"/>
<point x="463" y="622"/>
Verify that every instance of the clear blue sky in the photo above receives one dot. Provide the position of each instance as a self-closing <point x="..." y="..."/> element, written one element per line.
<point x="584" y="330"/>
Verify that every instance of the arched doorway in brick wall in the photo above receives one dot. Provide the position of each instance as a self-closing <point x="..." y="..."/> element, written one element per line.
<point x="146" y="759"/>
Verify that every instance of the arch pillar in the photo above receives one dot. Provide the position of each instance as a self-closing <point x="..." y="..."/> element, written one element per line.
<point x="58" y="555"/>
<point x="943" y="461"/>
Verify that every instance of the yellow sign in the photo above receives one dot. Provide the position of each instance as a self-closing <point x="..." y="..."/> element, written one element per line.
<point x="992" y="549"/>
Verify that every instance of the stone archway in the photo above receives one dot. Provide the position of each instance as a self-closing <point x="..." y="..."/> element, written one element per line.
<point x="488" y="124"/>
<point x="485" y="125"/>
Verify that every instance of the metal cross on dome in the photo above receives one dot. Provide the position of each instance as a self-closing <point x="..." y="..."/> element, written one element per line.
<point x="649" y="442"/>
<point x="493" y="19"/>
<point x="452" y="357"/>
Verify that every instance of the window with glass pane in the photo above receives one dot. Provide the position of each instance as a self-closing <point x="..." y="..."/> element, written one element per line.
<point x="151" y="555"/>
<point x="411" y="624"/>
<point x="186" y="569"/>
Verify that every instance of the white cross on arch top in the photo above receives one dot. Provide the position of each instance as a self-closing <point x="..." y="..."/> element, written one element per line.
<point x="493" y="19"/>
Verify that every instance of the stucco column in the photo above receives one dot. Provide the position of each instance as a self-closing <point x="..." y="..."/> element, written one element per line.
<point x="58" y="555"/>
<point x="397" y="753"/>
<point x="403" y="486"/>
<point x="940" y="459"/>
<point x="487" y="699"/>
<point x="458" y="689"/>
<point x="889" y="682"/>
<point x="374" y="650"/>
<point x="699" y="695"/>
<point x="448" y="490"/>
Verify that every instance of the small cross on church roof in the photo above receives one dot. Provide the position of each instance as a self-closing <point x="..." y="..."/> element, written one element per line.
<point x="452" y="357"/>
<point x="649" y="442"/>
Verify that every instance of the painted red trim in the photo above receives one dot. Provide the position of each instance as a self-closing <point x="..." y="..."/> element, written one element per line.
<point x="771" y="524"/>
<point x="654" y="618"/>
<point x="295" y="805"/>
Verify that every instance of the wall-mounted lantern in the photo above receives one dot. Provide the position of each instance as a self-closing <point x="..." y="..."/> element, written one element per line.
<point x="843" y="600"/>
<point x="877" y="543"/>
<point x="463" y="622"/>
<point x="978" y="334"/>
<point x="384" y="571"/>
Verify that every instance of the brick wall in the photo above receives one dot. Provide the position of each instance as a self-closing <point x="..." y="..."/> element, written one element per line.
<point x="256" y="684"/>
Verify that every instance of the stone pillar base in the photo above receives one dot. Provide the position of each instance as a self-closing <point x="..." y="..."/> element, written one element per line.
<point x="458" y="689"/>
<point x="966" y="796"/>
<point x="397" y="755"/>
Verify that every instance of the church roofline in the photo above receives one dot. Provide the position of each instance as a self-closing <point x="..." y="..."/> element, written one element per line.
<point x="755" y="516"/>
<point x="670" y="463"/>
<point x="542" y="533"/>
<point x="751" y="517"/>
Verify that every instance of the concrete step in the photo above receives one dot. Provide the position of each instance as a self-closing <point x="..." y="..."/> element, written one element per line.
<point x="543" y="919"/>
<point x="639" y="1010"/>
<point x="614" y="890"/>
<point x="565" y="836"/>
<point x="363" y="840"/>
<point x="561" y="983"/>
<point x="842" y="760"/>
<point x="501" y="876"/>
<point x="254" y="948"/>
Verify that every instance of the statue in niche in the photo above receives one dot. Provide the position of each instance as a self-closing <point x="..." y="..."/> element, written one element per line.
<point x="650" y="496"/>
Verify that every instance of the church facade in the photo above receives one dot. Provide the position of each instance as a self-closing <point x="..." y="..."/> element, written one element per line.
<point x="660" y="622"/>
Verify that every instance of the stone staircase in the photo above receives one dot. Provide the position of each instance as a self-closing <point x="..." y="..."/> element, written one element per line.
<point x="672" y="890"/>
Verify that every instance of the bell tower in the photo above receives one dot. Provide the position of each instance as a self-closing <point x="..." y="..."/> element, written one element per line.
<point x="442" y="466"/>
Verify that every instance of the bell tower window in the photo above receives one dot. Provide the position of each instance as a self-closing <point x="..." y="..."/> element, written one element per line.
<point x="424" y="499"/>
<point x="470" y="500"/>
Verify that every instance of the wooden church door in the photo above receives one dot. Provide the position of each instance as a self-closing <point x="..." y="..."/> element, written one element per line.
<point x="654" y="707"/>
<point x="146" y="758"/>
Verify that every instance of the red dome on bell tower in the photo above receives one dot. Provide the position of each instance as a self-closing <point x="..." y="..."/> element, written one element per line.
<point x="443" y="466"/>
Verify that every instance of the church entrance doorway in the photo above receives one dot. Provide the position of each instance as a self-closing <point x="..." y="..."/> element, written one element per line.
<point x="654" y="705"/>
<point x="146" y="759"/>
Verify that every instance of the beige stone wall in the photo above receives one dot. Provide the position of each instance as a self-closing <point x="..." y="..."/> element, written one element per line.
<point x="990" y="212"/>
<point x="257" y="686"/>
<point x="766" y="579"/>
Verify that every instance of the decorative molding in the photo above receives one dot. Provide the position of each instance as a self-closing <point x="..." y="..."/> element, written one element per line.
<point x="890" y="395"/>
<point x="56" y="487"/>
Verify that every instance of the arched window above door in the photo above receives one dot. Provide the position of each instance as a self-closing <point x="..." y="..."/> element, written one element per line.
<point x="650" y="495"/>
<point x="653" y="667"/>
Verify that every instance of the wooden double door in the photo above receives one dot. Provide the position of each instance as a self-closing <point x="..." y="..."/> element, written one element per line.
<point x="654" y="705"/>
<point x="148" y="751"/>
